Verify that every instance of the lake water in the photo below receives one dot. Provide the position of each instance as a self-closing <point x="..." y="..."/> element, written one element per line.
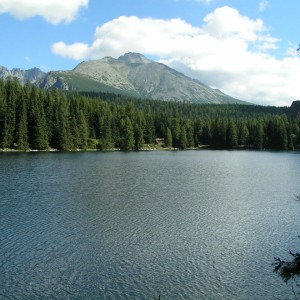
<point x="182" y="225"/>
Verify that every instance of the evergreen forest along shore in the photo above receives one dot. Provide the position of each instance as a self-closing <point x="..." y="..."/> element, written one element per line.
<point x="36" y="119"/>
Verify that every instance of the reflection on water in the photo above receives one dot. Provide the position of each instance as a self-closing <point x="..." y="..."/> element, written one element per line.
<point x="185" y="225"/>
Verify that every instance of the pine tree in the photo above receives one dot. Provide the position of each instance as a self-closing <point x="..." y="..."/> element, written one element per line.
<point x="206" y="136"/>
<point x="258" y="135"/>
<point x="176" y="131"/>
<point x="232" y="135"/>
<point x="22" y="131"/>
<point x="2" y="108"/>
<point x="126" y="134"/>
<point x="149" y="134"/>
<point x="10" y="114"/>
<point x="183" y="138"/>
<point x="169" y="139"/>
<point x="62" y="136"/>
<point x="106" y="130"/>
<point x="190" y="135"/>
<point x="244" y="135"/>
<point x="83" y="131"/>
<point x="39" y="132"/>
<point x="219" y="134"/>
<point x="138" y="138"/>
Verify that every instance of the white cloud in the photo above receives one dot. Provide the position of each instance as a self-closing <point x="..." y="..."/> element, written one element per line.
<point x="53" y="11"/>
<point x="228" y="52"/>
<point x="75" y="51"/>
<point x="263" y="5"/>
<point x="152" y="36"/>
<point x="226" y="22"/>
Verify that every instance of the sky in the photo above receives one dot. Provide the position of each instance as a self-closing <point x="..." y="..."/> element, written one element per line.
<point x="245" y="48"/>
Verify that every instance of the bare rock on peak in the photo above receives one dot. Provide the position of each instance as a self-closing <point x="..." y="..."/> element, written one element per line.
<point x="135" y="75"/>
<point x="32" y="75"/>
<point x="134" y="58"/>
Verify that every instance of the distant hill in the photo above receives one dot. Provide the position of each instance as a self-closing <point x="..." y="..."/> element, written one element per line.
<point x="135" y="75"/>
<point x="31" y="75"/>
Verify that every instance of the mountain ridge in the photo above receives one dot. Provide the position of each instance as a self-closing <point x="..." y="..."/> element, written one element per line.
<point x="132" y="74"/>
<point x="32" y="75"/>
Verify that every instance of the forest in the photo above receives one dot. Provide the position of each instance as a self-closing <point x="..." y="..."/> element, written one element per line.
<point x="36" y="119"/>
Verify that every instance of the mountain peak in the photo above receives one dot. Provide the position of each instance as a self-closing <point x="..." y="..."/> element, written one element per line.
<point x="134" y="75"/>
<point x="134" y="58"/>
<point x="31" y="75"/>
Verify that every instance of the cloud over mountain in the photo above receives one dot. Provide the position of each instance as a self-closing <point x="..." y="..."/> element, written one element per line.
<point x="53" y="11"/>
<point x="229" y="51"/>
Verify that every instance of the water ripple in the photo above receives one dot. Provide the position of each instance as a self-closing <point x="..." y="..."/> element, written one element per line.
<point x="184" y="225"/>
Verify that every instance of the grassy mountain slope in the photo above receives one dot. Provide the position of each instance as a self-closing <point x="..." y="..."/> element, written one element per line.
<point x="134" y="75"/>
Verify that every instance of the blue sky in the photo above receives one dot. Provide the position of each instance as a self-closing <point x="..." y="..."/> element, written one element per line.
<point x="245" y="48"/>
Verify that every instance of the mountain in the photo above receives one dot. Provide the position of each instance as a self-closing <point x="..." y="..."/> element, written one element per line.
<point x="31" y="75"/>
<point x="294" y="110"/>
<point x="135" y="75"/>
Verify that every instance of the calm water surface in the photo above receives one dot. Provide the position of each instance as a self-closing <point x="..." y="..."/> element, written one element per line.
<point x="183" y="225"/>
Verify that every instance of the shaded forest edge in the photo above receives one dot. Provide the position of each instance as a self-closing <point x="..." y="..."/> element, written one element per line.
<point x="36" y="119"/>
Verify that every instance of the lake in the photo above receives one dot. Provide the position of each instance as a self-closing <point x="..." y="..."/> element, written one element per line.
<point x="181" y="224"/>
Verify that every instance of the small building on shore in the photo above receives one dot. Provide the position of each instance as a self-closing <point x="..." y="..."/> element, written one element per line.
<point x="160" y="141"/>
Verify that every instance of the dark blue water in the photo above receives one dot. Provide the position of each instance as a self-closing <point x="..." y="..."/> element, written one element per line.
<point x="183" y="225"/>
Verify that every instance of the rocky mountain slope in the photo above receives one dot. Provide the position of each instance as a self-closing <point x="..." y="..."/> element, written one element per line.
<point x="132" y="74"/>
<point x="135" y="75"/>
<point x="31" y="75"/>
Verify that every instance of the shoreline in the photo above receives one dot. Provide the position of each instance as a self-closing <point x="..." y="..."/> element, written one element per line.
<point x="144" y="149"/>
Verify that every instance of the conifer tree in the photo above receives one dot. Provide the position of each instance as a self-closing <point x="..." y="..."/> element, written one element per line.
<point x="138" y="138"/>
<point x="190" y="135"/>
<point x="169" y="139"/>
<point x="176" y="131"/>
<point x="2" y="107"/>
<point x="206" y="136"/>
<point x="83" y="131"/>
<point x="126" y="134"/>
<point x="149" y="134"/>
<point x="22" y="130"/>
<point x="232" y="135"/>
<point x="10" y="114"/>
<point x="258" y="135"/>
<point x="183" y="138"/>
<point x="244" y="135"/>
<point x="38" y="133"/>
<point x="62" y="135"/>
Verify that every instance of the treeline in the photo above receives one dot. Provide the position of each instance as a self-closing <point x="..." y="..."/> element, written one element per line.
<point x="31" y="118"/>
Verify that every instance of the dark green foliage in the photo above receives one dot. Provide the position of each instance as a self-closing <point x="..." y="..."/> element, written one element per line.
<point x="138" y="137"/>
<point x="288" y="269"/>
<point x="231" y="134"/>
<point x="276" y="132"/>
<point x="149" y="132"/>
<point x="9" y="129"/>
<point x="22" y="130"/>
<point x="2" y="108"/>
<point x="219" y="133"/>
<point x="243" y="135"/>
<point x="31" y="118"/>
<point x="62" y="137"/>
<point x="258" y="135"/>
<point x="183" y="138"/>
<point x="126" y="142"/>
<point x="38" y="133"/>
<point x="169" y="139"/>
